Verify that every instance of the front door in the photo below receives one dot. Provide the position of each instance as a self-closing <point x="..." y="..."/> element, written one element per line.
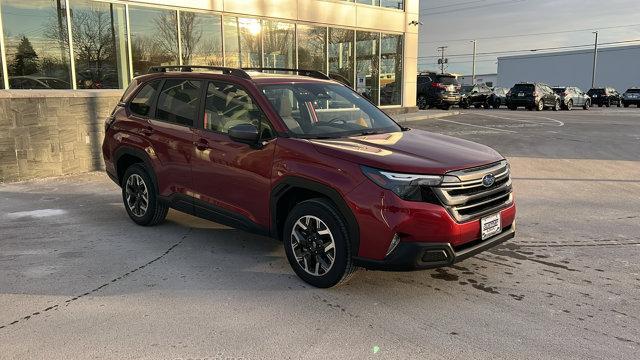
<point x="232" y="180"/>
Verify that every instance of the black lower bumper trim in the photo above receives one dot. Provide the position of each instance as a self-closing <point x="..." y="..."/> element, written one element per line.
<point x="420" y="256"/>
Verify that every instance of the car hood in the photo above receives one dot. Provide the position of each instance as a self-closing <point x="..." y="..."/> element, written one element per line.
<point x="411" y="151"/>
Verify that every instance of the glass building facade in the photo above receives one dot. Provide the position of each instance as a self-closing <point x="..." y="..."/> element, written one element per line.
<point x="111" y="42"/>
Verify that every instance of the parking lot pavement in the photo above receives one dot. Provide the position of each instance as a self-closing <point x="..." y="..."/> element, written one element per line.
<point x="79" y="280"/>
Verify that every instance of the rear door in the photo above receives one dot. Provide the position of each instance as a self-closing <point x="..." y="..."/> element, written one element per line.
<point x="232" y="180"/>
<point x="171" y="132"/>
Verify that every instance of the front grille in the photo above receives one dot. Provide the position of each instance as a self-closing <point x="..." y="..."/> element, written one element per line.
<point x="469" y="199"/>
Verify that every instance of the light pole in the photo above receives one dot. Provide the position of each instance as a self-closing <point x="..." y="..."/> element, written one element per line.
<point x="595" y="61"/>
<point x="473" y="71"/>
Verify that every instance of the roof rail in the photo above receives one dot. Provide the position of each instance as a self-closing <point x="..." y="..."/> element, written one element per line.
<point x="189" y="68"/>
<point x="302" y="72"/>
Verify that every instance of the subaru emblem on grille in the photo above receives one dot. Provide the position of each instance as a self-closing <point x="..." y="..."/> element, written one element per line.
<point x="488" y="180"/>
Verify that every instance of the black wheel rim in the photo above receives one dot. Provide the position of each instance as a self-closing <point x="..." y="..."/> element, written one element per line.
<point x="137" y="195"/>
<point x="313" y="245"/>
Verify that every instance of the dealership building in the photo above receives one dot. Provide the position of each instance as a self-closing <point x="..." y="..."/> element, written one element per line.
<point x="616" y="67"/>
<point x="65" y="63"/>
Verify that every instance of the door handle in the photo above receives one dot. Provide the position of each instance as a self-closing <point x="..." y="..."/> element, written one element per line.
<point x="202" y="144"/>
<point x="147" y="130"/>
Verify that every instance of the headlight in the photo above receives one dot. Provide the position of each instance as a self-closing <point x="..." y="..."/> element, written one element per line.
<point x="412" y="187"/>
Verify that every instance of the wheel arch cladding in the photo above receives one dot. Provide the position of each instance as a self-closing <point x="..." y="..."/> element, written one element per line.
<point x="293" y="190"/>
<point x="126" y="156"/>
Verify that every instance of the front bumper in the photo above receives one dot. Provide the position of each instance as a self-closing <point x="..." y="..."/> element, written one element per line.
<point x="421" y="256"/>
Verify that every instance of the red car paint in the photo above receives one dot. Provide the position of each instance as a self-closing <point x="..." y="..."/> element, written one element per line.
<point x="240" y="179"/>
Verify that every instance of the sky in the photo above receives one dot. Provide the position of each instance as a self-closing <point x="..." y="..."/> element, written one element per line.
<point x="498" y="25"/>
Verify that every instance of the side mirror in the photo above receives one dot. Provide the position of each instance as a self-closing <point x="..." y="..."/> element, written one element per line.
<point x="244" y="133"/>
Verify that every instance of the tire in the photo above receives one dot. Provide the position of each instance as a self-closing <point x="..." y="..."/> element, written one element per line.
<point x="487" y="104"/>
<point x="304" y="249"/>
<point x="464" y="105"/>
<point x="137" y="188"/>
<point x="445" y="107"/>
<point x="477" y="106"/>
<point x="540" y="105"/>
<point x="497" y="103"/>
<point x="600" y="105"/>
<point x="619" y="103"/>
<point x="422" y="102"/>
<point x="587" y="105"/>
<point x="513" y="108"/>
<point x="608" y="103"/>
<point x="625" y="105"/>
<point x="569" y="105"/>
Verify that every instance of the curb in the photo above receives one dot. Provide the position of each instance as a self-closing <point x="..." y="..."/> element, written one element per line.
<point x="428" y="116"/>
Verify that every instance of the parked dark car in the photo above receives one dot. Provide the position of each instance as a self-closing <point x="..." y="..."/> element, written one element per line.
<point x="437" y="90"/>
<point x="498" y="97"/>
<point x="476" y="96"/>
<point x="631" y="97"/>
<point x="572" y="96"/>
<point x="606" y="96"/>
<point x="341" y="187"/>
<point x="532" y="96"/>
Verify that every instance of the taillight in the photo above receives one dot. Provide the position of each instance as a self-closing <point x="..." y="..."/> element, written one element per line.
<point x="438" y="85"/>
<point x="508" y="94"/>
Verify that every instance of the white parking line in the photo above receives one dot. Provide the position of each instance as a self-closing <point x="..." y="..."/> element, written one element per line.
<point x="560" y="123"/>
<point x="478" y="126"/>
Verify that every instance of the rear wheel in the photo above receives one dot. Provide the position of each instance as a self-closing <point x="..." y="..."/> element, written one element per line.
<point x="317" y="244"/>
<point x="587" y="105"/>
<point x="140" y="198"/>
<point x="477" y="106"/>
<point x="445" y="106"/>
<point x="422" y="102"/>
<point x="496" y="103"/>
<point x="625" y="105"/>
<point x="608" y="103"/>
<point x="513" y="108"/>
<point x="619" y="103"/>
<point x="557" y="105"/>
<point x="540" y="105"/>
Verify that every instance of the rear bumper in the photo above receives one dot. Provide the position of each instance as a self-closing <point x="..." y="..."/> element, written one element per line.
<point x="447" y="99"/>
<point x="521" y="102"/>
<point x="420" y="256"/>
<point x="631" y="101"/>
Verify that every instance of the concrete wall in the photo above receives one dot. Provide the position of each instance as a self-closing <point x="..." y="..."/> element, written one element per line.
<point x="617" y="67"/>
<point x="52" y="133"/>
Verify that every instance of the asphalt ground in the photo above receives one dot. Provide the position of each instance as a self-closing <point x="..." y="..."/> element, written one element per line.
<point x="78" y="280"/>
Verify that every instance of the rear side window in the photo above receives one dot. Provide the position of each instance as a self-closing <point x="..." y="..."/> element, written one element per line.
<point x="179" y="101"/>
<point x="141" y="103"/>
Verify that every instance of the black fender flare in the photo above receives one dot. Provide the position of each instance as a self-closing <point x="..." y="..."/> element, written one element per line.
<point x="293" y="182"/>
<point x="140" y="154"/>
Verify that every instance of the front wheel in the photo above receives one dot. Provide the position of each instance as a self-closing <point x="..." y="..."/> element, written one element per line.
<point x="556" y="107"/>
<point x="608" y="103"/>
<point x="619" y="103"/>
<point x="317" y="244"/>
<point x="587" y="105"/>
<point x="540" y="105"/>
<point x="140" y="198"/>
<point x="569" y="105"/>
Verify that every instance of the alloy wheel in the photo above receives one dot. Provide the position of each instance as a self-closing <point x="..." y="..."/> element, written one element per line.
<point x="137" y="195"/>
<point x="313" y="245"/>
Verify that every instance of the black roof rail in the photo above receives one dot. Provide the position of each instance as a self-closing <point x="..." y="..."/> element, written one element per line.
<point x="302" y="72"/>
<point x="189" y="68"/>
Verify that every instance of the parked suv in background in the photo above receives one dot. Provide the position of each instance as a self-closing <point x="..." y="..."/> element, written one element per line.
<point x="631" y="97"/>
<point x="498" y="97"/>
<point x="532" y="96"/>
<point x="309" y="161"/>
<point x="572" y="96"/>
<point x="476" y="96"/>
<point x="437" y="90"/>
<point x="606" y="96"/>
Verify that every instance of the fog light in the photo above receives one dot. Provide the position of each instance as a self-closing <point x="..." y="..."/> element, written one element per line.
<point x="394" y="243"/>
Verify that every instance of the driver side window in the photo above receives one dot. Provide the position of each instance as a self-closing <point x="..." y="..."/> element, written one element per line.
<point x="228" y="105"/>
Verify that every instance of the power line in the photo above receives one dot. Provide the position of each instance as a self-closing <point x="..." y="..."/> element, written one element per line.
<point x="533" y="50"/>
<point x="529" y="34"/>
<point x="505" y="2"/>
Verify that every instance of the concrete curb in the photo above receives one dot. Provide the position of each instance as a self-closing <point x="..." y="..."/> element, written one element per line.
<point x="426" y="116"/>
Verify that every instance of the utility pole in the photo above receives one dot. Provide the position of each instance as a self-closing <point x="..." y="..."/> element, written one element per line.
<point x="595" y="61"/>
<point x="473" y="71"/>
<point x="442" y="61"/>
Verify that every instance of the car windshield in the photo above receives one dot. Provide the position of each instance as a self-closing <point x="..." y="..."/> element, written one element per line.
<point x="326" y="110"/>
<point x="447" y="80"/>
<point x="633" y="91"/>
<point x="524" y="88"/>
<point x="596" y="91"/>
<point x="559" y="90"/>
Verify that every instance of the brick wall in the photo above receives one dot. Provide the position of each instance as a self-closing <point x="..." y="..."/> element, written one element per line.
<point x="52" y="133"/>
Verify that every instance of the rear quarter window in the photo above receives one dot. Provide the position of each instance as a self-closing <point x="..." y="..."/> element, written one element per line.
<point x="142" y="101"/>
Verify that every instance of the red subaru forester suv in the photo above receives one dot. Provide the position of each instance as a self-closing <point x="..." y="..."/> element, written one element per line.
<point x="296" y="156"/>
